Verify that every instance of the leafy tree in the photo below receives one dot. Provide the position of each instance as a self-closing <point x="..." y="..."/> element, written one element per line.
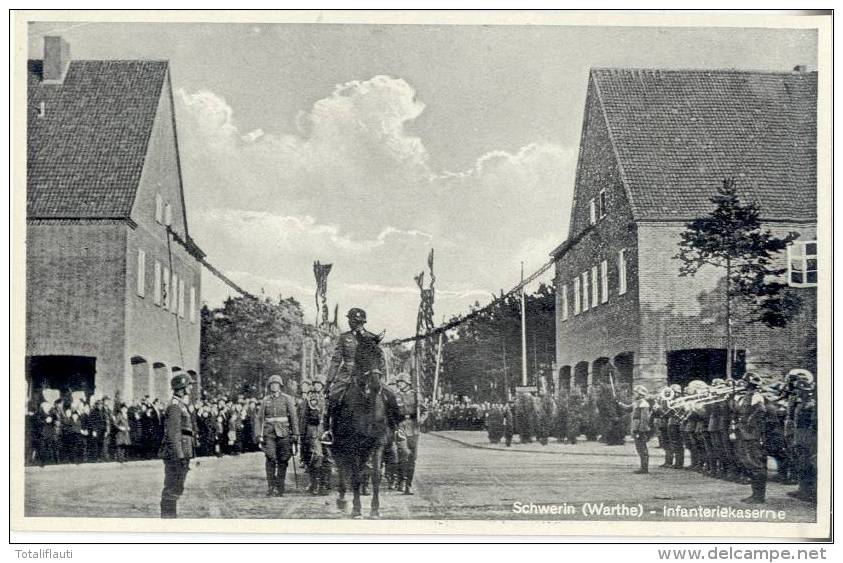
<point x="731" y="238"/>
<point x="247" y="340"/>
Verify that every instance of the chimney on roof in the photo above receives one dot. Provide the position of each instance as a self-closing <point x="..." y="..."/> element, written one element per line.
<point x="800" y="68"/>
<point x="56" y="59"/>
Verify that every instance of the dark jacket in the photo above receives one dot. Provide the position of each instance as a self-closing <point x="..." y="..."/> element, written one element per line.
<point x="178" y="439"/>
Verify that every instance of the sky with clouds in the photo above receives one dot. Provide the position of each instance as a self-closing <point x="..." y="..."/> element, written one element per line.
<point x="366" y="145"/>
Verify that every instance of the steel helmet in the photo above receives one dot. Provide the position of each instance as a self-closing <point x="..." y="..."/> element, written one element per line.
<point x="676" y="388"/>
<point x="180" y="381"/>
<point x="752" y="379"/>
<point x="275" y="379"/>
<point x="356" y="314"/>
<point x="640" y="390"/>
<point x="801" y="375"/>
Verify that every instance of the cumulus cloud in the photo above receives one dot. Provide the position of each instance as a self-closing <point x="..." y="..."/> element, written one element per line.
<point x="352" y="185"/>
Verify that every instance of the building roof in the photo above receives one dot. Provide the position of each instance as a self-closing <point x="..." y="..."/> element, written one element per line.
<point x="87" y="151"/>
<point x="678" y="133"/>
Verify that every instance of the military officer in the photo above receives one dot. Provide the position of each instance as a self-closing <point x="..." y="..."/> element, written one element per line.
<point x="279" y="434"/>
<point x="177" y="445"/>
<point x="413" y="414"/>
<point x="341" y="367"/>
<point x="640" y="428"/>
<point x="751" y="431"/>
<point x="805" y="438"/>
<point x="674" y="432"/>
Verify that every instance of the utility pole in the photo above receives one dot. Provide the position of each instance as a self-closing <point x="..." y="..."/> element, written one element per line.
<point x="523" y="333"/>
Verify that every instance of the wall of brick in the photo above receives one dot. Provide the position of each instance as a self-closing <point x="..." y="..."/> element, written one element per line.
<point x="154" y="333"/>
<point x="75" y="275"/>
<point x="610" y="328"/>
<point x="689" y="312"/>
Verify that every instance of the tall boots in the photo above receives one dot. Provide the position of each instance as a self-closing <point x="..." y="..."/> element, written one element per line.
<point x="168" y="507"/>
<point x="276" y="473"/>
<point x="645" y="464"/>
<point x="759" y="490"/>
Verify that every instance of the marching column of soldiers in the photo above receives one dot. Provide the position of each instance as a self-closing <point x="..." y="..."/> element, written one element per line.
<point x="731" y="428"/>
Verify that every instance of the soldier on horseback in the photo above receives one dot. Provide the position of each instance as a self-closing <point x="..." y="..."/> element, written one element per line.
<point x="341" y="367"/>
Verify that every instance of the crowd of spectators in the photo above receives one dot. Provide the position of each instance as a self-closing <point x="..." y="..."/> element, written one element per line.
<point x="79" y="430"/>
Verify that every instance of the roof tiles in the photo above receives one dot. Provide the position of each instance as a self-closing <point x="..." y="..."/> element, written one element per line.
<point x="86" y="152"/>
<point x="678" y="133"/>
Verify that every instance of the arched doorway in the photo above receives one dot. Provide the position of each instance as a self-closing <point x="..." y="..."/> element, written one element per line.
<point x="624" y="363"/>
<point x="141" y="377"/>
<point x="581" y="376"/>
<point x="600" y="371"/>
<point x="565" y="378"/>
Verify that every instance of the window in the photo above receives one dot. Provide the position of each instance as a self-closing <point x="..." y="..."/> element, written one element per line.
<point x="604" y="281"/>
<point x="563" y="302"/>
<point x="165" y="288"/>
<point x="181" y="298"/>
<point x="595" y="294"/>
<point x="585" y="291"/>
<point x="592" y="212"/>
<point x="192" y="304"/>
<point x="156" y="284"/>
<point x="603" y="204"/>
<point x="141" y="273"/>
<point x="159" y="208"/>
<point x="174" y="293"/>
<point x="576" y="296"/>
<point x="802" y="264"/>
<point x="168" y="215"/>
<point x="622" y="272"/>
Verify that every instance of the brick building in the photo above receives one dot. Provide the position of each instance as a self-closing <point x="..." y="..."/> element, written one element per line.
<point x="113" y="277"/>
<point x="655" y="146"/>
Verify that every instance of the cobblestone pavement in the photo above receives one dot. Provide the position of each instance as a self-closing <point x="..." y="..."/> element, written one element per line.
<point x="459" y="476"/>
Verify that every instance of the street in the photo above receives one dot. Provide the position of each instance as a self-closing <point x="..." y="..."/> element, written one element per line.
<point x="459" y="476"/>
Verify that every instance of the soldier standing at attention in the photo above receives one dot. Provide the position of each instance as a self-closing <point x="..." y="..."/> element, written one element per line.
<point x="805" y="437"/>
<point x="674" y="432"/>
<point x="751" y="432"/>
<point x="640" y="428"/>
<point x="407" y="434"/>
<point x="279" y="433"/>
<point x="177" y="445"/>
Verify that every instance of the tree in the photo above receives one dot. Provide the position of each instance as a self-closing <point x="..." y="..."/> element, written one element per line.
<point x="247" y="340"/>
<point x="731" y="238"/>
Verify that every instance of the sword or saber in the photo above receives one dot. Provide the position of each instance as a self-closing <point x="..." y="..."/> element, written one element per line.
<point x="295" y="462"/>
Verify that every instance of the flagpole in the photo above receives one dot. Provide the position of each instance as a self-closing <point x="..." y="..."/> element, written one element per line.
<point x="523" y="333"/>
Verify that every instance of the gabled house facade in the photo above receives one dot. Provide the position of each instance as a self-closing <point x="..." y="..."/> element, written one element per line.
<point x="655" y="146"/>
<point x="113" y="277"/>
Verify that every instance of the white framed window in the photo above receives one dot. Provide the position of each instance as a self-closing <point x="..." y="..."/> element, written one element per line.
<point x="181" y="298"/>
<point x="192" y="304"/>
<point x="595" y="292"/>
<point x="603" y="203"/>
<point x="141" y="273"/>
<point x="156" y="284"/>
<point x="585" y="291"/>
<point x="802" y="264"/>
<point x="621" y="271"/>
<point x="563" y="302"/>
<point x="592" y="211"/>
<point x="159" y="208"/>
<point x="576" y="295"/>
<point x="174" y="294"/>
<point x="168" y="215"/>
<point x="165" y="288"/>
<point x="604" y="281"/>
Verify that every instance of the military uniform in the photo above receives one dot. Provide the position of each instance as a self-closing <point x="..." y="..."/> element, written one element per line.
<point x="312" y="450"/>
<point x="407" y="436"/>
<point x="750" y="447"/>
<point x="177" y="449"/>
<point x="640" y="426"/>
<point x="279" y="430"/>
<point x="805" y="447"/>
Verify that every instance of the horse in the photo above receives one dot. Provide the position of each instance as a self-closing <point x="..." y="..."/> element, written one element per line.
<point x="361" y="421"/>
